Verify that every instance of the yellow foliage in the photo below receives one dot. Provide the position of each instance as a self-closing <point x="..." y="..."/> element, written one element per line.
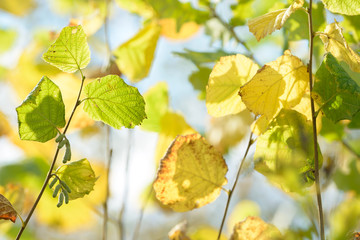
<point x="254" y="228"/>
<point x="335" y="43"/>
<point x="206" y="233"/>
<point x="279" y="84"/>
<point x="191" y="174"/>
<point x="134" y="57"/>
<point x="18" y="7"/>
<point x="168" y="29"/>
<point x="241" y="211"/>
<point x="228" y="75"/>
<point x="268" y="23"/>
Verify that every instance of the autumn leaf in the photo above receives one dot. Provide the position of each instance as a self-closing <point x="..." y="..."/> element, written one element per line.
<point x="279" y="84"/>
<point x="178" y="232"/>
<point x="228" y="75"/>
<point x="268" y="23"/>
<point x="7" y="211"/>
<point x="254" y="228"/>
<point x="135" y="56"/>
<point x="169" y="29"/>
<point x="191" y="174"/>
<point x="335" y="43"/>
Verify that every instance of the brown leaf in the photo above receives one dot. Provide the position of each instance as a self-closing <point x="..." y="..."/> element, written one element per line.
<point x="7" y="211"/>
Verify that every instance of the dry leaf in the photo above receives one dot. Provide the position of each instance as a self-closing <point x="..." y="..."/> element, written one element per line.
<point x="7" y="211"/>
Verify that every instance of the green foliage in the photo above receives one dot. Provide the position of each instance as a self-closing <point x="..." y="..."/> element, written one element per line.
<point x="157" y="104"/>
<point x="70" y="52"/>
<point x="78" y="176"/>
<point x="348" y="181"/>
<point x="111" y="100"/>
<point x="334" y="90"/>
<point x="42" y="112"/>
<point x="285" y="152"/>
<point x="332" y="131"/>
<point x="8" y="37"/>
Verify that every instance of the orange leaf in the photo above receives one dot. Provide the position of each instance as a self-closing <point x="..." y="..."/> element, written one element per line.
<point x="7" y="211"/>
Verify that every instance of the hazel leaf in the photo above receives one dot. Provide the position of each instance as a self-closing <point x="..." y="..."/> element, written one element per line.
<point x="228" y="75"/>
<point x="42" y="112"/>
<point x="347" y="7"/>
<point x="191" y="174"/>
<point x="70" y="52"/>
<point x="268" y="23"/>
<point x="112" y="101"/>
<point x="335" y="91"/>
<point x="278" y="84"/>
<point x="335" y="43"/>
<point x="78" y="176"/>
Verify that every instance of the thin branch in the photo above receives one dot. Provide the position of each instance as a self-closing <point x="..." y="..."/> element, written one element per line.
<point x="352" y="150"/>
<point x="126" y="186"/>
<point x="231" y="31"/>
<point x="313" y="114"/>
<point x="139" y="221"/>
<point x="108" y="149"/>
<point x="231" y="191"/>
<point x="108" y="167"/>
<point x="49" y="174"/>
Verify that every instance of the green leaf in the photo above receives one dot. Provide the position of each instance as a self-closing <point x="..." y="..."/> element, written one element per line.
<point x="199" y="58"/>
<point x="347" y="7"/>
<point x="296" y="29"/>
<point x="182" y="12"/>
<point x="199" y="80"/>
<point x="334" y="90"/>
<point x="79" y="176"/>
<point x="111" y="100"/>
<point x="134" y="57"/>
<point x="242" y="11"/>
<point x="355" y="122"/>
<point x="332" y="131"/>
<point x="70" y="52"/>
<point x="285" y="153"/>
<point x="157" y="104"/>
<point x="139" y="7"/>
<point x="348" y="181"/>
<point x="42" y="112"/>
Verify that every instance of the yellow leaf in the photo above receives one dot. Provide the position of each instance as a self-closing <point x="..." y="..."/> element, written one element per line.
<point x="260" y="125"/>
<point x="91" y="23"/>
<point x="191" y="174"/>
<point x="18" y="7"/>
<point x="279" y="84"/>
<point x="254" y="228"/>
<point x="172" y="124"/>
<point x="134" y="57"/>
<point x="268" y="23"/>
<point x="168" y="29"/>
<point x="228" y="75"/>
<point x="335" y="43"/>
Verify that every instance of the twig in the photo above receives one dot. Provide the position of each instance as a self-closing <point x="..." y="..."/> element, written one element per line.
<point x="77" y="103"/>
<point x="348" y="147"/>
<point x="108" y="149"/>
<point x="231" y="31"/>
<point x="313" y="114"/>
<point x="231" y="191"/>
<point x="138" y="223"/>
<point x="126" y="185"/>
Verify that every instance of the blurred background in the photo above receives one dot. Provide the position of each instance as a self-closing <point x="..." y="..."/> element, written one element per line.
<point x="189" y="38"/>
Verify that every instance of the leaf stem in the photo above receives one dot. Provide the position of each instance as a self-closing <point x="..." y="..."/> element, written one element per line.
<point x="49" y="174"/>
<point x="138" y="223"/>
<point x="313" y="114"/>
<point x="231" y="191"/>
<point x="126" y="186"/>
